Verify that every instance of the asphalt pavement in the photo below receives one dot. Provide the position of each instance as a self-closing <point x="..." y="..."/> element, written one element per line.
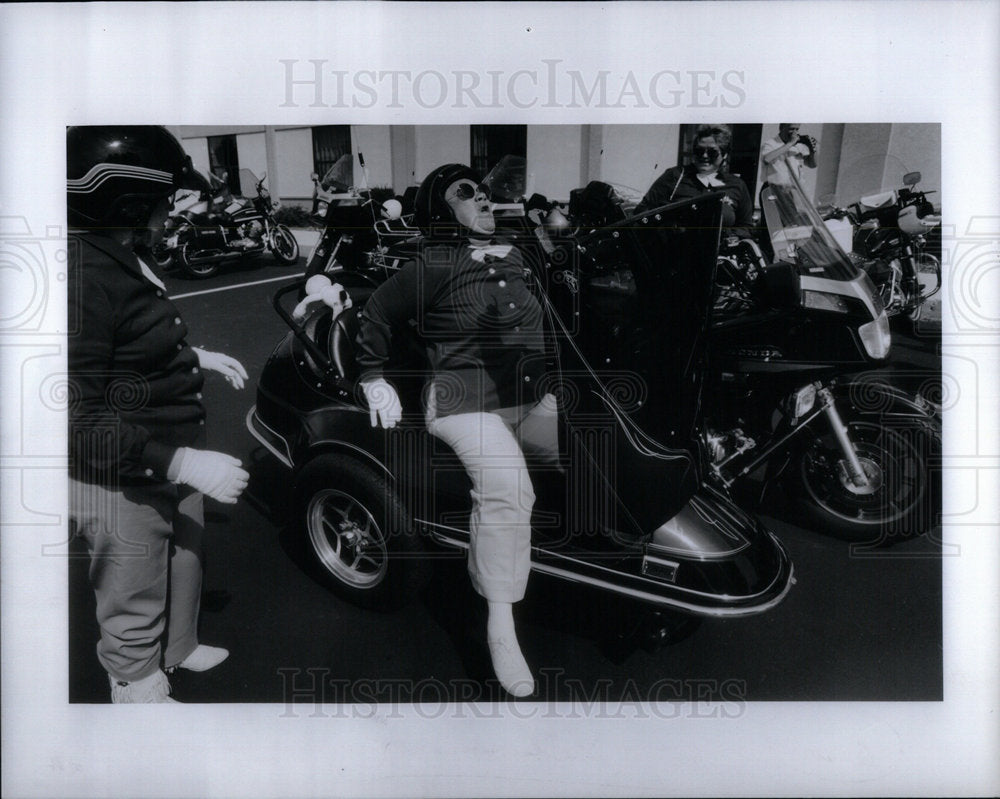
<point x="861" y="623"/>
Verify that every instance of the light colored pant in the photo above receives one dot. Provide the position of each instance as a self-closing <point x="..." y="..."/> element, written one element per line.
<point x="490" y="448"/>
<point x="145" y="567"/>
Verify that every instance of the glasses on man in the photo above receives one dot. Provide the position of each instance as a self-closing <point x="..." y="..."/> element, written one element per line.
<point x="464" y="190"/>
<point x="711" y="152"/>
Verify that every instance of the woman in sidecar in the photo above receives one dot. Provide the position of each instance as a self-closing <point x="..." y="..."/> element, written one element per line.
<point x="390" y="441"/>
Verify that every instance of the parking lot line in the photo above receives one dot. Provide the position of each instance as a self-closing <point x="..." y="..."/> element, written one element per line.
<point x="237" y="286"/>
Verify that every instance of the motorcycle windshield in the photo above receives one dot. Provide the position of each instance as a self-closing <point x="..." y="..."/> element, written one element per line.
<point x="636" y="304"/>
<point x="339" y="177"/>
<point x="248" y="183"/>
<point x="799" y="236"/>
<point x="507" y="182"/>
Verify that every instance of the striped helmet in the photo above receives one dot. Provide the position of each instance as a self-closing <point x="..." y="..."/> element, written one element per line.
<point x="117" y="173"/>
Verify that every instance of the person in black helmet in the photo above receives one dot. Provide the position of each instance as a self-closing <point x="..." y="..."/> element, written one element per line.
<point x="138" y="466"/>
<point x="467" y="298"/>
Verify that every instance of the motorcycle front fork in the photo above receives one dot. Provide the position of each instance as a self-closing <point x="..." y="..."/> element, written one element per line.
<point x="825" y="406"/>
<point x="851" y="461"/>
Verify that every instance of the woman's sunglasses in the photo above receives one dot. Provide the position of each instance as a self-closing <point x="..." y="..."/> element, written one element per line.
<point x="466" y="190"/>
<point x="711" y="152"/>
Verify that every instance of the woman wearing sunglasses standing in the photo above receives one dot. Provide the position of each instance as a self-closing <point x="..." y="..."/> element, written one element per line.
<point x="466" y="299"/>
<point x="706" y="173"/>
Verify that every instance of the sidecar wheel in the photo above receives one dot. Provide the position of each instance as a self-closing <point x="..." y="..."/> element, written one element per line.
<point x="284" y="245"/>
<point x="196" y="270"/>
<point x="361" y="535"/>
<point x="895" y="504"/>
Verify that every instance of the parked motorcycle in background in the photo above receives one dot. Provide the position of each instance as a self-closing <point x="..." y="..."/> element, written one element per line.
<point x="245" y="226"/>
<point x="896" y="237"/>
<point x="189" y="206"/>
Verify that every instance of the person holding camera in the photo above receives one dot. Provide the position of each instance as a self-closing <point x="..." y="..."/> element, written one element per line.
<point x="785" y="154"/>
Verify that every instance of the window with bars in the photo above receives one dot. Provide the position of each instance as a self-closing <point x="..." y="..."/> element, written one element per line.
<point x="332" y="143"/>
<point x="223" y="159"/>
<point x="490" y="143"/>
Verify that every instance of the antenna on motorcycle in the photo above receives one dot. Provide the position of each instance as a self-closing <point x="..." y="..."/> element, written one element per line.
<point x="364" y="173"/>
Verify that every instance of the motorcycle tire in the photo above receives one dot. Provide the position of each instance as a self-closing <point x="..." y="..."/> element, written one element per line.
<point x="284" y="245"/>
<point x="360" y="534"/>
<point x="195" y="270"/>
<point x="898" y="503"/>
<point x="163" y="257"/>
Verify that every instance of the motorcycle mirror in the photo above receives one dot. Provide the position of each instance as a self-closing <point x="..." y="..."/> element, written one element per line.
<point x="911" y="178"/>
<point x="780" y="285"/>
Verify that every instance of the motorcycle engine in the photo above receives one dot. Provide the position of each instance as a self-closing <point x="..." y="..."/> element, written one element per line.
<point x="250" y="230"/>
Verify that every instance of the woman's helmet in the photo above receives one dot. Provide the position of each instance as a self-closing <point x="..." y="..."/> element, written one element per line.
<point x="430" y="209"/>
<point x="116" y="174"/>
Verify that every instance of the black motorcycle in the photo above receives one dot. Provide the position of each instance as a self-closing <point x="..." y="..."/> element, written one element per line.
<point x="246" y="226"/>
<point x="631" y="507"/>
<point x="896" y="238"/>
<point x="854" y="453"/>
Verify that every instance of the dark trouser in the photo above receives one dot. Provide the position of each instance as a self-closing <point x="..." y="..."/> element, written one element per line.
<point x="145" y="567"/>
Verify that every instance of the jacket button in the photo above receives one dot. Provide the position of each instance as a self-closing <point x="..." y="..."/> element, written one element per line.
<point x="194" y="370"/>
<point x="201" y="421"/>
<point x="149" y="473"/>
<point x="159" y="293"/>
<point x="493" y="271"/>
<point x="198" y="395"/>
<point x="177" y="320"/>
<point x="502" y="284"/>
<point x="511" y="305"/>
<point x="527" y="378"/>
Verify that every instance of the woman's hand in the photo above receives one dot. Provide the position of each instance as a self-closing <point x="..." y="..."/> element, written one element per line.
<point x="228" y="367"/>
<point x="383" y="403"/>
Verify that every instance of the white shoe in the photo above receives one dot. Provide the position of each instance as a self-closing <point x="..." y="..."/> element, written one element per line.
<point x="148" y="690"/>
<point x="204" y="658"/>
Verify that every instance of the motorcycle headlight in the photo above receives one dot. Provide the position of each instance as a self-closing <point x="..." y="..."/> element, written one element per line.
<point x="876" y="337"/>
<point x="822" y="301"/>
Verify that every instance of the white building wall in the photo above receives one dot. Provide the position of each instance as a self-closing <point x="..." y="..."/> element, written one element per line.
<point x="633" y="155"/>
<point x="915" y="147"/>
<point x="555" y="160"/>
<point x="441" y="144"/>
<point x="373" y="142"/>
<point x="251" y="150"/>
<point x="198" y="150"/>
<point x="295" y="162"/>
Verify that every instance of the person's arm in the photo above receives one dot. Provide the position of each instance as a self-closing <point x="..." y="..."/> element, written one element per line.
<point x="99" y="440"/>
<point x="772" y="152"/>
<point x="662" y="190"/>
<point x="744" y="211"/>
<point x="388" y="310"/>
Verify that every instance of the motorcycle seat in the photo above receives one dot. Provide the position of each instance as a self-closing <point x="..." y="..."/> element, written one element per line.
<point x="340" y="342"/>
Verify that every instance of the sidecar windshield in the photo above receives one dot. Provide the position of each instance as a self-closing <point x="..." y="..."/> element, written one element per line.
<point x="799" y="236"/>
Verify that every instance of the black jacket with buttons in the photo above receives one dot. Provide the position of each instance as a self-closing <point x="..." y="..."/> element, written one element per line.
<point x="480" y="325"/>
<point x="135" y="385"/>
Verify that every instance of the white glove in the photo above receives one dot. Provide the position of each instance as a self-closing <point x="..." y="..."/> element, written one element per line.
<point x="383" y="403"/>
<point x="227" y="366"/>
<point x="215" y="474"/>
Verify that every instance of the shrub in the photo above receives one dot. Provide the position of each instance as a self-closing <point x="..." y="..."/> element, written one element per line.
<point x="293" y="216"/>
